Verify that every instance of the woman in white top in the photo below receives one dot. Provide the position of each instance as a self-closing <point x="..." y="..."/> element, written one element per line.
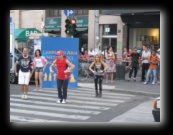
<point x="39" y="64"/>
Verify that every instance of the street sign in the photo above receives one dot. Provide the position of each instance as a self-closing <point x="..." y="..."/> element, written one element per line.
<point x="69" y="12"/>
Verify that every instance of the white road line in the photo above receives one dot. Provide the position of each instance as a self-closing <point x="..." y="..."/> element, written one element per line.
<point x="87" y="91"/>
<point x="29" y="119"/>
<point x="91" y="85"/>
<point x="49" y="114"/>
<point x="53" y="108"/>
<point x="79" y="97"/>
<point x="72" y="101"/>
<point x="56" y="104"/>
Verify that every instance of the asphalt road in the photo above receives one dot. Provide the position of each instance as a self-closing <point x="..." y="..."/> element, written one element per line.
<point x="81" y="106"/>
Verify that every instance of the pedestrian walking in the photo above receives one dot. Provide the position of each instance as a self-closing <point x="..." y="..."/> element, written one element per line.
<point x="99" y="67"/>
<point x="39" y="66"/>
<point x="62" y="64"/>
<point x="153" y="60"/>
<point x="134" y="64"/>
<point x="25" y="72"/>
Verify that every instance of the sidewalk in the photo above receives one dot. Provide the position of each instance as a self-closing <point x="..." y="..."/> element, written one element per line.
<point x="124" y="86"/>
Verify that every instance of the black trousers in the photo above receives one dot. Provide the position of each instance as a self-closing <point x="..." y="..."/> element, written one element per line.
<point x="145" y="67"/>
<point x="62" y="84"/>
<point x="135" y="68"/>
<point x="98" y="81"/>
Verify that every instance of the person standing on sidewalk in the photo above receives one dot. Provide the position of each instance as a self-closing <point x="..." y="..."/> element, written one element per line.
<point x="110" y="61"/>
<point x="99" y="68"/>
<point x="153" y="60"/>
<point x="25" y="72"/>
<point x="145" y="63"/>
<point x="134" y="64"/>
<point x="62" y="64"/>
<point x="39" y="65"/>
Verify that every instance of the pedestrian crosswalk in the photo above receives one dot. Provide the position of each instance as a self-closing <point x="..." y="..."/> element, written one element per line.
<point x="81" y="105"/>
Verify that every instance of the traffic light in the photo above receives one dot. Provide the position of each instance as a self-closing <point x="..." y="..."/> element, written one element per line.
<point x="70" y="26"/>
<point x="67" y="26"/>
<point x="73" y="26"/>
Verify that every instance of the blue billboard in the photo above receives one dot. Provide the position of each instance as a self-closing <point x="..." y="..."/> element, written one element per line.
<point x="49" y="48"/>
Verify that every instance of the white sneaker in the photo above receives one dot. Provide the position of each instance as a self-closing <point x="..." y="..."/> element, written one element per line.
<point x="145" y="83"/>
<point x="26" y="97"/>
<point x="153" y="83"/>
<point x="23" y="96"/>
<point x="35" y="89"/>
<point x="40" y="89"/>
<point x="63" y="101"/>
<point x="58" y="101"/>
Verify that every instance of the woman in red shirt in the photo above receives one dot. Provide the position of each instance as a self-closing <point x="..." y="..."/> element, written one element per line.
<point x="63" y="75"/>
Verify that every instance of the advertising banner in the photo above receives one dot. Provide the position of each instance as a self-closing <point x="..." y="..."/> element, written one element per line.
<point x="70" y="47"/>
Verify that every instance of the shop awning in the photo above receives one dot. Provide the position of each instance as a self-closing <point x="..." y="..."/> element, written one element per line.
<point x="22" y="34"/>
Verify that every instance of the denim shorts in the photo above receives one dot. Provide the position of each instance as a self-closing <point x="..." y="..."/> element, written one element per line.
<point x="39" y="69"/>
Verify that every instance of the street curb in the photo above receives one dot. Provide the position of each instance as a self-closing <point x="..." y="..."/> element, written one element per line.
<point x="130" y="92"/>
<point x="137" y="92"/>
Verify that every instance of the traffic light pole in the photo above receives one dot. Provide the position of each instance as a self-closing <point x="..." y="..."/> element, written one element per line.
<point x="63" y="18"/>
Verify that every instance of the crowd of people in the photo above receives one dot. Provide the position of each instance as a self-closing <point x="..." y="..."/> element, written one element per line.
<point x="103" y="64"/>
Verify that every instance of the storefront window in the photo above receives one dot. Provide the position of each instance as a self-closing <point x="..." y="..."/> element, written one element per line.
<point x="110" y="29"/>
<point x="81" y="12"/>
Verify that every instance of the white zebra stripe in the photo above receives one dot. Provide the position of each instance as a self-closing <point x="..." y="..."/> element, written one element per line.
<point x="53" y="108"/>
<point x="88" y="91"/>
<point x="49" y="114"/>
<point x="72" y="101"/>
<point x="56" y="104"/>
<point x="78" y="97"/>
<point x="29" y="119"/>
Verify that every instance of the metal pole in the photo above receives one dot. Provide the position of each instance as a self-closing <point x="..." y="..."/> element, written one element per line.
<point x="96" y="30"/>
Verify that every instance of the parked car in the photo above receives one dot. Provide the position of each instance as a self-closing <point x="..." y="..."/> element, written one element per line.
<point x="156" y="109"/>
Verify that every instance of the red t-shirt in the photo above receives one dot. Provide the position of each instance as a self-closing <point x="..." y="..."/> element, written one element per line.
<point x="61" y="67"/>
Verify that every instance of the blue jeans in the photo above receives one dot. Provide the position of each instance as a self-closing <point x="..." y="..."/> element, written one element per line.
<point x="150" y="71"/>
<point x="62" y="86"/>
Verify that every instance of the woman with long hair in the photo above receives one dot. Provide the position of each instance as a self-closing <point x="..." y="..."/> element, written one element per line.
<point x="98" y="67"/>
<point x="39" y="64"/>
<point x="110" y="61"/>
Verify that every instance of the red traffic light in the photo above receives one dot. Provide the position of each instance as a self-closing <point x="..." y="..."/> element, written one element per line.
<point x="73" y="21"/>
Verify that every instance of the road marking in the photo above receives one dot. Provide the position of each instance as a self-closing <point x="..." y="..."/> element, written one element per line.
<point x="53" y="108"/>
<point x="56" y="104"/>
<point x="73" y="101"/>
<point x="80" y="97"/>
<point x="29" y="119"/>
<point x="88" y="91"/>
<point x="49" y="114"/>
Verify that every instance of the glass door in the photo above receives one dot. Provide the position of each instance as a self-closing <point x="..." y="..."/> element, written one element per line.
<point x="109" y="41"/>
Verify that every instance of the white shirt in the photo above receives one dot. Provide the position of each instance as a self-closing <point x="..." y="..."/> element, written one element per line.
<point x="38" y="63"/>
<point x="146" y="54"/>
<point x="98" y="51"/>
<point x="91" y="53"/>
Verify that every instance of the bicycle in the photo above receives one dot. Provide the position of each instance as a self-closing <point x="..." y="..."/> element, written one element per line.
<point x="83" y="71"/>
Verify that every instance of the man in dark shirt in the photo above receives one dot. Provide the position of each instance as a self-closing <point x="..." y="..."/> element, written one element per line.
<point x="134" y="64"/>
<point x="25" y="73"/>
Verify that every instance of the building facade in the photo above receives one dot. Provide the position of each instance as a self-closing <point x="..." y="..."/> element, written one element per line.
<point x="94" y="28"/>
